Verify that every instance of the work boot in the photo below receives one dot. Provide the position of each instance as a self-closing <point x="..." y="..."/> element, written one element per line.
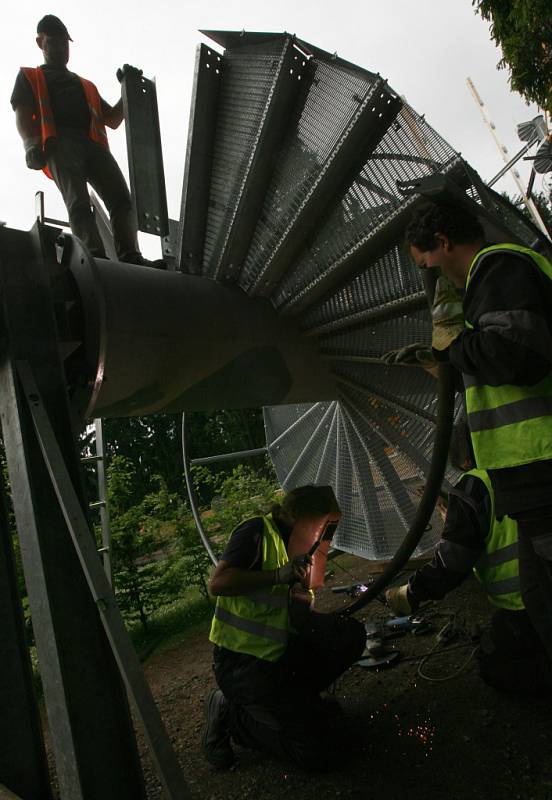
<point x="215" y="739"/>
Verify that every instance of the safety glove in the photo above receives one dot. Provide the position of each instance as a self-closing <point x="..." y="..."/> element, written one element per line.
<point x="447" y="315"/>
<point x="125" y="70"/>
<point x="413" y="355"/>
<point x="34" y="156"/>
<point x="294" y="571"/>
<point x="401" y="601"/>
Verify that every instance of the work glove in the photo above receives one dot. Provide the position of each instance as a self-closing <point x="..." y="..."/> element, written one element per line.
<point x="413" y="355"/>
<point x="401" y="601"/>
<point x="447" y="315"/>
<point x="294" y="571"/>
<point x="126" y="69"/>
<point x="34" y="157"/>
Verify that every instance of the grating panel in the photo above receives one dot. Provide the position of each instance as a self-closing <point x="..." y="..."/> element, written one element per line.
<point x="409" y="150"/>
<point x="333" y="98"/>
<point x="376" y="483"/>
<point x="375" y="340"/>
<point x="248" y="75"/>
<point x="348" y="280"/>
<point x="392" y="277"/>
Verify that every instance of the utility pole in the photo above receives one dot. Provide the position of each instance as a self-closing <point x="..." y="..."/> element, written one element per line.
<point x="529" y="203"/>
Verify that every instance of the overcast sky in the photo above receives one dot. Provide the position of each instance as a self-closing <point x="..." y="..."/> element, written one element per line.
<point x="425" y="48"/>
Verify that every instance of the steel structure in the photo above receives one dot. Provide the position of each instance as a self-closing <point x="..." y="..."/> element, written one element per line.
<point x="288" y="284"/>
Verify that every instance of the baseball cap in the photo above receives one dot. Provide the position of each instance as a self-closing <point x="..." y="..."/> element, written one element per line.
<point x="52" y="26"/>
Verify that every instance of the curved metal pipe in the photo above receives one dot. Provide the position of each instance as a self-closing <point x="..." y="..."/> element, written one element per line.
<point x="446" y="394"/>
<point x="193" y="497"/>
<point x="443" y="430"/>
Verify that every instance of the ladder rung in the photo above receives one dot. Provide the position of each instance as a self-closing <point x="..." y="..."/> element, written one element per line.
<point x="103" y="550"/>
<point x="97" y="504"/>
<point x="91" y="458"/>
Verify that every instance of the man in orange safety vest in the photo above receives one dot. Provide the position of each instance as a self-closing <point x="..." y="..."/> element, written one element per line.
<point x="61" y="119"/>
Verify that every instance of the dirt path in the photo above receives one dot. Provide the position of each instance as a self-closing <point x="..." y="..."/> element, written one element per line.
<point x="399" y="738"/>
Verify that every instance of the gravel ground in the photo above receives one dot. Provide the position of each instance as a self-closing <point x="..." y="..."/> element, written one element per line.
<point x="396" y="736"/>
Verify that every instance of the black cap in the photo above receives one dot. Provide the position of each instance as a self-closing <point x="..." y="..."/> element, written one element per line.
<point x="52" y="26"/>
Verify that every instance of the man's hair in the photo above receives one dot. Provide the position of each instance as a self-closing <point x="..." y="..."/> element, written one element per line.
<point x="306" y="501"/>
<point x="454" y="221"/>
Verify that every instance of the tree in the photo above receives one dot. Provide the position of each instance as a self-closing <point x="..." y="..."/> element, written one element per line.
<point x="523" y="30"/>
<point x="543" y="203"/>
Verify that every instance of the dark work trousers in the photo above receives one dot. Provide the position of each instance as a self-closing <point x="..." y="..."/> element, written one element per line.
<point x="75" y="161"/>
<point x="535" y="569"/>
<point x="274" y="706"/>
<point x="512" y="657"/>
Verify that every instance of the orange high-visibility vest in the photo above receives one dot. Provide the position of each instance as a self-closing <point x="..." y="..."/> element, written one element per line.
<point x="97" y="131"/>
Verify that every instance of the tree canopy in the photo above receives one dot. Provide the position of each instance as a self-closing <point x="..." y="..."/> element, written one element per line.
<point x="523" y="30"/>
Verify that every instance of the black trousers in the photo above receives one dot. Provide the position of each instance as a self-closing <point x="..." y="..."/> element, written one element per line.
<point x="535" y="569"/>
<point x="274" y="706"/>
<point x="75" y="161"/>
<point x="512" y="657"/>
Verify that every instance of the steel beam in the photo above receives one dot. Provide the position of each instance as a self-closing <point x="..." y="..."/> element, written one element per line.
<point x="289" y="81"/>
<point x="377" y="110"/>
<point x="145" y="158"/>
<point x="91" y="728"/>
<point x="23" y="766"/>
<point x="199" y="159"/>
<point x="100" y="588"/>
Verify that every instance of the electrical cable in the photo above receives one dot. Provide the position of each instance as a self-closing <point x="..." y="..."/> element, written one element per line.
<point x="445" y="413"/>
<point x="432" y="488"/>
<point x="434" y="652"/>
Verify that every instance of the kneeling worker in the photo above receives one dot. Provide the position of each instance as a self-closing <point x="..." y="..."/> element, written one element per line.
<point x="511" y="655"/>
<point x="273" y="654"/>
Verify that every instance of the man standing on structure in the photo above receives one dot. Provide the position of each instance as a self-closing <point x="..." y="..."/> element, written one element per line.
<point x="61" y="119"/>
<point x="273" y="654"/>
<point x="500" y="338"/>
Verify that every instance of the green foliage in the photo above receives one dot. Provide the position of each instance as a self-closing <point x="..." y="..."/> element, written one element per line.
<point x="160" y="565"/>
<point x="542" y="202"/>
<point x="154" y="445"/>
<point x="147" y="572"/>
<point x="235" y="497"/>
<point x="523" y="30"/>
<point x="157" y="554"/>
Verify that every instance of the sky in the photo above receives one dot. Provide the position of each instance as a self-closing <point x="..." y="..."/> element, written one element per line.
<point x="425" y="48"/>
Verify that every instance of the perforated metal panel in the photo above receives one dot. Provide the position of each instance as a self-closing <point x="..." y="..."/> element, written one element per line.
<point x="376" y="483"/>
<point x="248" y="75"/>
<point x="323" y="245"/>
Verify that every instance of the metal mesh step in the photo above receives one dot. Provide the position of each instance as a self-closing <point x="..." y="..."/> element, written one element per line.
<point x="307" y="205"/>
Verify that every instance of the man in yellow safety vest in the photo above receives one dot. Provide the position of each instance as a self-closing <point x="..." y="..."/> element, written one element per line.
<point x="273" y="653"/>
<point x="511" y="654"/>
<point x="499" y="336"/>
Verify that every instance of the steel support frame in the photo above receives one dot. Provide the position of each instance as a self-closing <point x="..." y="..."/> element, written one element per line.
<point x="23" y="766"/>
<point x="199" y="157"/>
<point x="100" y="588"/>
<point x="91" y="729"/>
<point x="145" y="158"/>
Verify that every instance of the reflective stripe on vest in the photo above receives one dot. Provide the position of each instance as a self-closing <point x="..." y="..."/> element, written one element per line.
<point x="498" y="567"/>
<point x="257" y="623"/>
<point x="37" y="81"/>
<point x="509" y="425"/>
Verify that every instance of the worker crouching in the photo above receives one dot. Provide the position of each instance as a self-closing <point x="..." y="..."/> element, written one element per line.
<point x="273" y="653"/>
<point x="511" y="655"/>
